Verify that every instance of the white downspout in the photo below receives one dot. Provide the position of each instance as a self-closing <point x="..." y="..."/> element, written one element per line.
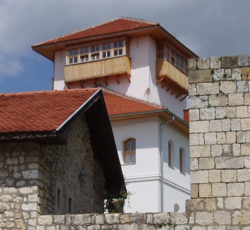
<point x="161" y="161"/>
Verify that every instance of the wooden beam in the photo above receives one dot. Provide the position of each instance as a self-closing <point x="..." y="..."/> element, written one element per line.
<point x="128" y="77"/>
<point x="171" y="86"/>
<point x="81" y="85"/>
<point x="166" y="83"/>
<point x="180" y="93"/>
<point x="94" y="81"/>
<point x="117" y="80"/>
<point x="184" y="97"/>
<point x="67" y="84"/>
<point x="105" y="81"/>
<point x="175" y="89"/>
<point x="161" y="79"/>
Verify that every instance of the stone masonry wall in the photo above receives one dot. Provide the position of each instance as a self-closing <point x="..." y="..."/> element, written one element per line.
<point x="220" y="142"/>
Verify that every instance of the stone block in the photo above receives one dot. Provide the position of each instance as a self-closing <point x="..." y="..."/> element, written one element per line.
<point x="207" y="114"/>
<point x="30" y="174"/>
<point x="210" y="138"/>
<point x="218" y="75"/>
<point x="194" y="190"/>
<point x="244" y="60"/>
<point x="199" y="126"/>
<point x="220" y="203"/>
<point x="236" y="74"/>
<point x="233" y="202"/>
<point x="203" y="63"/>
<point x="235" y="124"/>
<point x="210" y="204"/>
<point x="192" y="63"/>
<point x="229" y="162"/>
<point x="236" y="99"/>
<point x="204" y="218"/>
<point x="245" y="72"/>
<point x="236" y="189"/>
<point x="247" y="99"/>
<point x="199" y="76"/>
<point x="242" y="86"/>
<point x="178" y="218"/>
<point x="194" y="139"/>
<point x="215" y="126"/>
<point x="243" y="175"/>
<point x="231" y="112"/>
<point x="125" y="218"/>
<point x="219" y="190"/>
<point x="247" y="188"/>
<point x="194" y="164"/>
<point x="218" y="100"/>
<point x="226" y="62"/>
<point x="161" y="218"/>
<point x="245" y="149"/>
<point x="247" y="162"/>
<point x="222" y="217"/>
<point x="231" y="137"/>
<point x="99" y="219"/>
<point x="241" y="217"/>
<point x="217" y="228"/>
<point x="216" y="150"/>
<point x="138" y="217"/>
<point x="30" y="207"/>
<point x="206" y="163"/>
<point x="112" y="218"/>
<point x="45" y="220"/>
<point x="201" y="139"/>
<point x="192" y="90"/>
<point x="226" y="125"/>
<point x="227" y="87"/>
<point x="208" y="88"/>
<point x="194" y="114"/>
<point x="214" y="176"/>
<point x="227" y="150"/>
<point x="247" y="136"/>
<point x="198" y="102"/>
<point x="220" y="112"/>
<point x="228" y="175"/>
<point x="199" y="177"/>
<point x="221" y="138"/>
<point x="246" y="202"/>
<point x="200" y="151"/>
<point x="215" y="62"/>
<point x="241" y="137"/>
<point x="205" y="190"/>
<point x="245" y="124"/>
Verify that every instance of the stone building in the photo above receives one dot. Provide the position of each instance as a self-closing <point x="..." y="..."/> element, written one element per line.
<point x="57" y="153"/>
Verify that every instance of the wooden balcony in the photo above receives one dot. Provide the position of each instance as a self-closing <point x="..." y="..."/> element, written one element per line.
<point x="102" y="68"/>
<point x="175" y="81"/>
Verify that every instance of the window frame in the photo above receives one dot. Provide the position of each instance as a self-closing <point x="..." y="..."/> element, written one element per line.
<point x="182" y="160"/>
<point x="171" y="154"/>
<point x="131" y="152"/>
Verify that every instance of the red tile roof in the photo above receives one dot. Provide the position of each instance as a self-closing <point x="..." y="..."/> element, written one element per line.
<point x="47" y="110"/>
<point x="114" y="26"/>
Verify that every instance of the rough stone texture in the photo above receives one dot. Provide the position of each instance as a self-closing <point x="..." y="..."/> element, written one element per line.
<point x="220" y="166"/>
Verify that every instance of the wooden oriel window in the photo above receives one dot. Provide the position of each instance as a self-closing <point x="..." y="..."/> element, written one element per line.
<point x="182" y="160"/>
<point x="170" y="154"/>
<point x="129" y="147"/>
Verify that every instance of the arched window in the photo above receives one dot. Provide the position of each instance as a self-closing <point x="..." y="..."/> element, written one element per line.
<point x="182" y="160"/>
<point x="170" y="154"/>
<point x="129" y="147"/>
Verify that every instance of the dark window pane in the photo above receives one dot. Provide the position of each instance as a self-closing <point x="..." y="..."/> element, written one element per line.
<point x="120" y="44"/>
<point x="120" y="52"/>
<point x="115" y="53"/>
<point x="133" y="144"/>
<point x="108" y="54"/>
<point x="127" y="146"/>
<point x="104" y="55"/>
<point x="115" y="44"/>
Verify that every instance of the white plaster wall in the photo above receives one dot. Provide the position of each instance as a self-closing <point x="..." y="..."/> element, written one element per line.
<point x="59" y="63"/>
<point x="142" y="178"/>
<point x="176" y="184"/>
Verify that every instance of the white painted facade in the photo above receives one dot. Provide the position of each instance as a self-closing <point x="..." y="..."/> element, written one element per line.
<point x="144" y="177"/>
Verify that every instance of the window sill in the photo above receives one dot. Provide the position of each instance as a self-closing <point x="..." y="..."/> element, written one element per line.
<point x="128" y="164"/>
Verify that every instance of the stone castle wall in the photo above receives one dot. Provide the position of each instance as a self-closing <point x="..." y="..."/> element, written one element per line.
<point x="220" y="142"/>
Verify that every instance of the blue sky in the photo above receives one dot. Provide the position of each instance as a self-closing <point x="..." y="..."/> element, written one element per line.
<point x="208" y="28"/>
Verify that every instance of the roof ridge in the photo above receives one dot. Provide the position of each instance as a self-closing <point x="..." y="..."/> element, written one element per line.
<point x="48" y="91"/>
<point x="100" y="24"/>
<point x="133" y="98"/>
